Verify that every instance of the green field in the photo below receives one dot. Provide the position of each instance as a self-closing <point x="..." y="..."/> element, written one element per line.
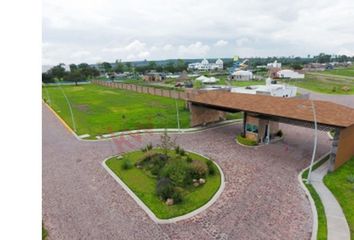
<point x="341" y="184"/>
<point x="144" y="186"/>
<point x="334" y="86"/>
<point x="347" y="72"/>
<point x="98" y="110"/>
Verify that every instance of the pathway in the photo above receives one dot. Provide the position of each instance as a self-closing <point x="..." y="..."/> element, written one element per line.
<point x="337" y="226"/>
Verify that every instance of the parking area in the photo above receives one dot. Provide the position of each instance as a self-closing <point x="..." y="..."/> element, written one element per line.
<point x="262" y="197"/>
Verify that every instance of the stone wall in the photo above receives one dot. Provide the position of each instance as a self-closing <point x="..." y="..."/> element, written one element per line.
<point x="202" y="115"/>
<point x="143" y="89"/>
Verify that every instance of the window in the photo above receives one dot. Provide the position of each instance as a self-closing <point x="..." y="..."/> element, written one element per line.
<point x="251" y="128"/>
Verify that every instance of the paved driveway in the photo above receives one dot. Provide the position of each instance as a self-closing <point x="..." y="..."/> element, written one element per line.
<point x="262" y="198"/>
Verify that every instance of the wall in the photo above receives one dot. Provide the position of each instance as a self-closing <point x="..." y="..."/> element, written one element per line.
<point x="345" y="146"/>
<point x="202" y="115"/>
<point x="143" y="89"/>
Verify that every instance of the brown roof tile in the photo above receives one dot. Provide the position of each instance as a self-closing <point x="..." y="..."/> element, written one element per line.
<point x="328" y="113"/>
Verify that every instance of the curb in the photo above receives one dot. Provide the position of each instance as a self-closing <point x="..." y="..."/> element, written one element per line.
<point x="309" y="197"/>
<point x="147" y="210"/>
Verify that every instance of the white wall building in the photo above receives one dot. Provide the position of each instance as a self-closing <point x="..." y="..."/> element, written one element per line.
<point x="205" y="65"/>
<point x="287" y="73"/>
<point x="204" y="79"/>
<point x="274" y="64"/>
<point x="241" y="75"/>
<point x="275" y="90"/>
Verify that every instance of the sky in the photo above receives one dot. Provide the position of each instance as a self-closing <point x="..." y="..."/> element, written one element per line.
<point x="93" y="31"/>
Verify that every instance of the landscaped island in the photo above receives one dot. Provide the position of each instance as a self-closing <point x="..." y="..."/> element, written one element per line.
<point x="170" y="182"/>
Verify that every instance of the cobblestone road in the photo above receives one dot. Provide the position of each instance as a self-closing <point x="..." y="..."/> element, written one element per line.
<point x="262" y="198"/>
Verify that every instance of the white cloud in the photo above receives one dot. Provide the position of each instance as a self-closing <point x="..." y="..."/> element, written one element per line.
<point x="116" y="29"/>
<point x="221" y="43"/>
<point x="197" y="49"/>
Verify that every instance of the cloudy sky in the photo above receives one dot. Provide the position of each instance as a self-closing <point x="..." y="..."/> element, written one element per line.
<point x="92" y="31"/>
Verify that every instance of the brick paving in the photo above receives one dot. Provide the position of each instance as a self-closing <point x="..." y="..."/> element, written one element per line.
<point x="262" y="198"/>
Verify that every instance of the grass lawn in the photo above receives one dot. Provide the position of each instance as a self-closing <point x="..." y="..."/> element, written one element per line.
<point x="343" y="189"/>
<point x="321" y="215"/>
<point x="98" y="110"/>
<point x="144" y="186"/>
<point x="328" y="87"/>
<point x="347" y="72"/>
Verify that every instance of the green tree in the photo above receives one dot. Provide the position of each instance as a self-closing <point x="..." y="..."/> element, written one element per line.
<point x="107" y="66"/>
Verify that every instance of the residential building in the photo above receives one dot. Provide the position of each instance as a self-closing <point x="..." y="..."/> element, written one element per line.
<point x="287" y="73"/>
<point x="275" y="90"/>
<point x="205" y="65"/>
<point x="241" y="75"/>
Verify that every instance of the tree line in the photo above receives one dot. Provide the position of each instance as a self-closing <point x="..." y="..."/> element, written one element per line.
<point x="80" y="72"/>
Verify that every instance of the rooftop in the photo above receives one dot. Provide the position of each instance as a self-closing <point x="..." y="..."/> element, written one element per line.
<point x="327" y="113"/>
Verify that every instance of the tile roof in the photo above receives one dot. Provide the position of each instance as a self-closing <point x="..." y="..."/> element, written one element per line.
<point x="327" y="113"/>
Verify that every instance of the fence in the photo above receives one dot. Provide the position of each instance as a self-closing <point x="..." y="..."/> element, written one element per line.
<point x="143" y="89"/>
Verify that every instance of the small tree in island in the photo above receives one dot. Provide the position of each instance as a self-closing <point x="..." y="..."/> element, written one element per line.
<point x="166" y="142"/>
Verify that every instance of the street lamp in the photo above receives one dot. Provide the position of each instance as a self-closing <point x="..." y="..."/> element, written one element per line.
<point x="179" y="129"/>
<point x="315" y="143"/>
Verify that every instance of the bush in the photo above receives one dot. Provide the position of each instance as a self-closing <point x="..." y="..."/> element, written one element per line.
<point x="177" y="149"/>
<point x="127" y="164"/>
<point x="178" y="171"/>
<point x="153" y="162"/>
<point x="149" y="146"/>
<point x="189" y="159"/>
<point x="199" y="169"/>
<point x="211" y="167"/>
<point x="246" y="141"/>
<point x="176" y="195"/>
<point x="182" y="152"/>
<point x="164" y="188"/>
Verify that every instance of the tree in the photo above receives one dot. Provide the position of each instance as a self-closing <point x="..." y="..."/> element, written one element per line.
<point x="166" y="143"/>
<point x="73" y="67"/>
<point x="152" y="65"/>
<point x="58" y="71"/>
<point x="107" y="66"/>
<point x="47" y="78"/>
<point x="74" y="76"/>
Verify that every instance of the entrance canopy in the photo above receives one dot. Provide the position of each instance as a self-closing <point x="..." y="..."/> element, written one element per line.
<point x="327" y="113"/>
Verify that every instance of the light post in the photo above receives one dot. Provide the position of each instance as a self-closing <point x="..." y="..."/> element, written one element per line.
<point x="179" y="129"/>
<point x="315" y="143"/>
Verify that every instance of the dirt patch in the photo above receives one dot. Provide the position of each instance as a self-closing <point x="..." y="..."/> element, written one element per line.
<point x="82" y="107"/>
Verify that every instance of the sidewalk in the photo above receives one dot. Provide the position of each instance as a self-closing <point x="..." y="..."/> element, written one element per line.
<point x="337" y="226"/>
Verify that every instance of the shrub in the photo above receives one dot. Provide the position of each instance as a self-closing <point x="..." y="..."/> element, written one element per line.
<point x="211" y="167"/>
<point x="127" y="164"/>
<point x="149" y="146"/>
<point x="189" y="159"/>
<point x="199" y="169"/>
<point x="177" y="196"/>
<point x="177" y="149"/>
<point x="153" y="162"/>
<point x="246" y="141"/>
<point x="164" y="188"/>
<point x="182" y="152"/>
<point x="178" y="171"/>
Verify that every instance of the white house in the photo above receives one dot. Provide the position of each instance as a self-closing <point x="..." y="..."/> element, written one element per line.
<point x="205" y="79"/>
<point x="287" y="73"/>
<point x="276" y="90"/>
<point x="274" y="64"/>
<point x="241" y="75"/>
<point x="205" y="65"/>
